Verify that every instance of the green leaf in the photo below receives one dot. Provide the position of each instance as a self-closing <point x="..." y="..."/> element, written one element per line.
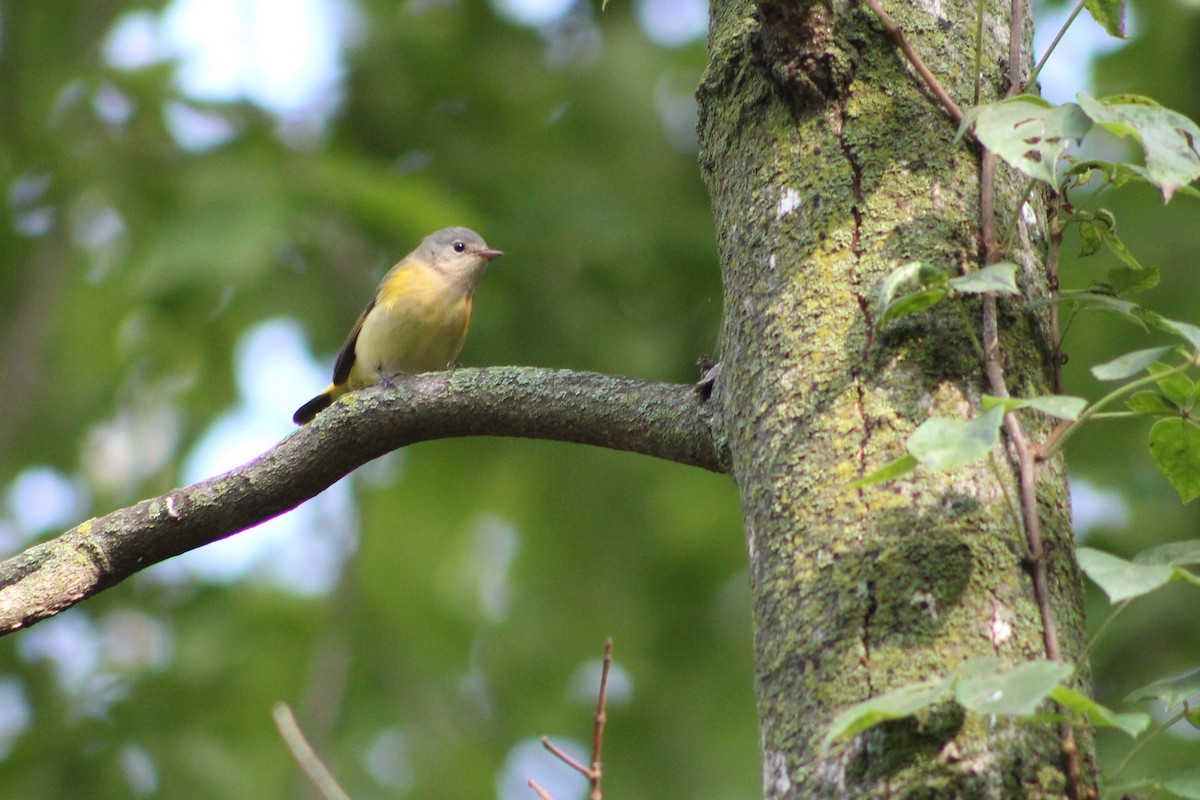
<point x="1056" y="405"/>
<point x="1171" y="692"/>
<point x="1110" y="14"/>
<point x="1129" y="786"/>
<point x="1192" y="715"/>
<point x="1014" y="691"/>
<point x="1001" y="277"/>
<point x="889" y="471"/>
<point x="1175" y="385"/>
<point x="1184" y="330"/>
<point x="1168" y="138"/>
<point x="1128" y="364"/>
<point x="1175" y="554"/>
<point x="1152" y="403"/>
<point x="1098" y="301"/>
<point x="1175" y="448"/>
<point x="1121" y="579"/>
<point x="1122" y="252"/>
<point x="1099" y="228"/>
<point x="1185" y="783"/>
<point x="896" y="704"/>
<point x="1091" y="237"/>
<point x="897" y="278"/>
<point x="948" y="444"/>
<point x="912" y="303"/>
<point x="1116" y="174"/>
<point x="1029" y="133"/>
<point x="1132" y="723"/>
<point x="1124" y="280"/>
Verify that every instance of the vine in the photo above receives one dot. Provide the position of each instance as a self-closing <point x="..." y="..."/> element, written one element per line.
<point x="1045" y="143"/>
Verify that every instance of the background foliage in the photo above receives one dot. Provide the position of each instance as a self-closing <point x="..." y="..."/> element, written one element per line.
<point x="175" y="276"/>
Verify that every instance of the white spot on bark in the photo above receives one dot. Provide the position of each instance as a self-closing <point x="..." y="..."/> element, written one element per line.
<point x="776" y="780"/>
<point x="1001" y="629"/>
<point x="925" y="601"/>
<point x="789" y="201"/>
<point x="1028" y="214"/>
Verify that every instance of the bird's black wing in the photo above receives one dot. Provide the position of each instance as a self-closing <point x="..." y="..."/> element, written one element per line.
<point x="346" y="358"/>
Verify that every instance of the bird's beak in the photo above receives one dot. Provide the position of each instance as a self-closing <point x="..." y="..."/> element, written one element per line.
<point x="490" y="254"/>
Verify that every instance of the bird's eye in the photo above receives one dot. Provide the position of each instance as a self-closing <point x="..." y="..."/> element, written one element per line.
<point x="459" y="246"/>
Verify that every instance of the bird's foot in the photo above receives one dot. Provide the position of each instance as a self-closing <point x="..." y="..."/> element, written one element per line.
<point x="389" y="380"/>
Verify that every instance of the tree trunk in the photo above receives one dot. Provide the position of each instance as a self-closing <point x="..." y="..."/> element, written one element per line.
<point x="829" y="164"/>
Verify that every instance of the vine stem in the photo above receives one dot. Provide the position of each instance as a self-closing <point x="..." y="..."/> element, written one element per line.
<point x="893" y="31"/>
<point x="1104" y="626"/>
<point x="1149" y="737"/>
<point x="1059" y="436"/>
<point x="1026" y="453"/>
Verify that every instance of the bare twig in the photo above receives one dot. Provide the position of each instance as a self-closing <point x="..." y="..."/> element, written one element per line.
<point x="566" y="758"/>
<point x="897" y="36"/>
<point x="537" y="788"/>
<point x="601" y="719"/>
<point x="595" y="772"/>
<point x="1037" y="70"/>
<point x="307" y="759"/>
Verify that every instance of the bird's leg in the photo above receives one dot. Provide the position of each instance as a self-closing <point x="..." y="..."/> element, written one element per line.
<point x="389" y="380"/>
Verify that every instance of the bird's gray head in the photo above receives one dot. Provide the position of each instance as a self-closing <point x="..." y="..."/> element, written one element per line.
<point x="458" y="251"/>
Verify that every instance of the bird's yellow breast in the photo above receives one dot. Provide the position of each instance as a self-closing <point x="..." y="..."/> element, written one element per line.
<point x="418" y="324"/>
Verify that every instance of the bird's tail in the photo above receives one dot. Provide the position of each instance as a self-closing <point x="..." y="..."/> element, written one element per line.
<point x="306" y="412"/>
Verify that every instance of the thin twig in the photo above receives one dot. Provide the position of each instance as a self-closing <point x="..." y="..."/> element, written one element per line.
<point x="307" y="759"/>
<point x="601" y="719"/>
<point x="541" y="793"/>
<point x="1008" y="499"/>
<point x="897" y="36"/>
<point x="1010" y="230"/>
<point x="1099" y="634"/>
<point x="595" y="772"/>
<point x="1037" y="70"/>
<point x="1145" y="740"/>
<point x="566" y="758"/>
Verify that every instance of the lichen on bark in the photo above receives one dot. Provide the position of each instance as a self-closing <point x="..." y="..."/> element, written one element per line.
<point x="817" y="195"/>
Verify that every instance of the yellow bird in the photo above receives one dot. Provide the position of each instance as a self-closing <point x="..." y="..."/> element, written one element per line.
<point x="418" y="319"/>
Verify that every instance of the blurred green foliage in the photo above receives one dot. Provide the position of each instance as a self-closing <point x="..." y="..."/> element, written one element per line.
<point x="486" y="572"/>
<point x="551" y="144"/>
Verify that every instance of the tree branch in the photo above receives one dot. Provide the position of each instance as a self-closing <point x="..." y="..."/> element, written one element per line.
<point x="664" y="420"/>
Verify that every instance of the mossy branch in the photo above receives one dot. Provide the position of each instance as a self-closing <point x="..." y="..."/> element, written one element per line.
<point x="668" y="421"/>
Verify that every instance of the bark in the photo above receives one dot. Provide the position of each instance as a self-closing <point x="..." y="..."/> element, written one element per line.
<point x="828" y="165"/>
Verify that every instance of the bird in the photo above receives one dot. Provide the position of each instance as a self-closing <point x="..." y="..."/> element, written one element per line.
<point x="417" y="319"/>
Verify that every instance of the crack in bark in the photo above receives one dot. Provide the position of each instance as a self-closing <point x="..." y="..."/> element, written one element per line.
<point x="868" y="616"/>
